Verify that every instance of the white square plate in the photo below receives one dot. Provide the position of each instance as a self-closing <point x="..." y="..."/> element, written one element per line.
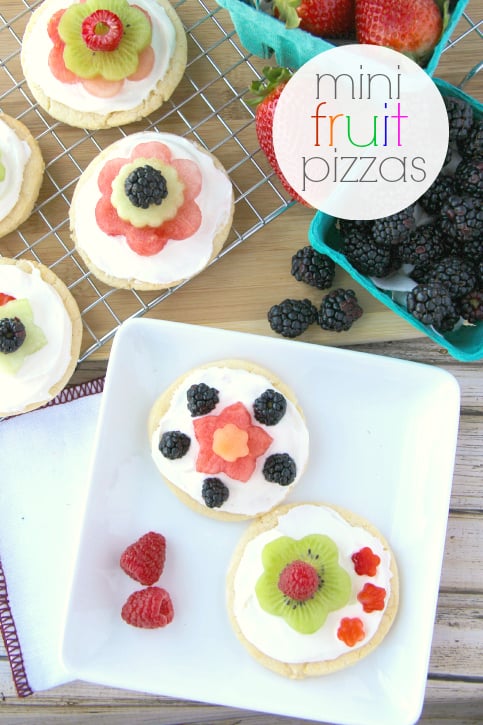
<point x="383" y="437"/>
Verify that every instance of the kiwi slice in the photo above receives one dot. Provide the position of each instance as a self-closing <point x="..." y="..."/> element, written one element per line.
<point x="155" y="214"/>
<point x="302" y="581"/>
<point x="35" y="339"/>
<point x="112" y="65"/>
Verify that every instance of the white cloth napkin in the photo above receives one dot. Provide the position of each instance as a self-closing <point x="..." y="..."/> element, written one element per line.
<point x="43" y="485"/>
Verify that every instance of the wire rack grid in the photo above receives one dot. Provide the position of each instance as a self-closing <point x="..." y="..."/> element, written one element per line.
<point x="209" y="106"/>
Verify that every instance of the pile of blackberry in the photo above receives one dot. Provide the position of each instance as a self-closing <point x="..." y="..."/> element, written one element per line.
<point x="438" y="241"/>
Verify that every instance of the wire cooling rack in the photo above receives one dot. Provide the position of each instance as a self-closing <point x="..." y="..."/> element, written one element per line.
<point x="209" y="106"/>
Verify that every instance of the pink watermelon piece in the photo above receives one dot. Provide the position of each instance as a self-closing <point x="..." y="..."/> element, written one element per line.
<point x="186" y="222"/>
<point x="53" y="27"/>
<point x="189" y="172"/>
<point x="108" y="173"/>
<point x="152" y="150"/>
<point x="145" y="65"/>
<point x="101" y="88"/>
<point x="57" y="65"/>
<point x="145" y="241"/>
<point x="107" y="218"/>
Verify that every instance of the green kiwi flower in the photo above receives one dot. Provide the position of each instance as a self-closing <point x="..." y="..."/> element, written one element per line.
<point x="103" y="38"/>
<point x="302" y="581"/>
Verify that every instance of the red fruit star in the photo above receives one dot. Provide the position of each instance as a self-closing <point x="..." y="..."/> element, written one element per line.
<point x="351" y="631"/>
<point x="372" y="597"/>
<point x="365" y="561"/>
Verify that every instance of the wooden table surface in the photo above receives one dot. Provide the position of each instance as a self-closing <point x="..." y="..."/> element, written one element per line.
<point x="235" y="293"/>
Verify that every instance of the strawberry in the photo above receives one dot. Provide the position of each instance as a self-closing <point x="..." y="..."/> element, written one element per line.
<point x="4" y="298"/>
<point x="266" y="94"/>
<point x="144" y="559"/>
<point x="148" y="608"/>
<point x="325" y="18"/>
<point x="412" y="27"/>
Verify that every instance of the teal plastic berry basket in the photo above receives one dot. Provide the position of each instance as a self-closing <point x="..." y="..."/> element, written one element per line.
<point x="464" y="343"/>
<point x="267" y="37"/>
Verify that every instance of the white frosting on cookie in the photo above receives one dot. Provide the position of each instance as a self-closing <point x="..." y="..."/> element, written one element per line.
<point x="271" y="634"/>
<point x="43" y="369"/>
<point x="290" y="436"/>
<point x="14" y="155"/>
<point x="178" y="259"/>
<point x="74" y="95"/>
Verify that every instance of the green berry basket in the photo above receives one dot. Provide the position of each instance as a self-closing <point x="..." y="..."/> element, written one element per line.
<point x="463" y="343"/>
<point x="265" y="36"/>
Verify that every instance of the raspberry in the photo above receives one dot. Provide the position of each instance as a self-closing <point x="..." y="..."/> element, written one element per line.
<point x="214" y="492"/>
<point x="102" y="30"/>
<point x="201" y="399"/>
<point x="144" y="559"/>
<point x="269" y="408"/>
<point x="372" y="598"/>
<point x="280" y="468"/>
<point x="365" y="561"/>
<point x="351" y="631"/>
<point x="148" y="608"/>
<point x="299" y="581"/>
<point x="174" y="444"/>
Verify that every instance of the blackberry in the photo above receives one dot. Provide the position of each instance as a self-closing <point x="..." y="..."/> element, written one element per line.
<point x="469" y="177"/>
<point x="291" y="318"/>
<point x="368" y="257"/>
<point x="430" y="303"/>
<point x="419" y="273"/>
<point x="201" y="399"/>
<point x="433" y="198"/>
<point x="280" y="468"/>
<point x="479" y="272"/>
<point x="145" y="186"/>
<point x="270" y="407"/>
<point x="471" y="306"/>
<point x="394" y="228"/>
<point x="423" y="246"/>
<point x="350" y="226"/>
<point x="214" y="492"/>
<point x="174" y="444"/>
<point x="455" y="273"/>
<point x="315" y="269"/>
<point x="473" y="248"/>
<point x="12" y="334"/>
<point x="460" y="118"/>
<point x="338" y="310"/>
<point x="462" y="219"/>
<point x="471" y="147"/>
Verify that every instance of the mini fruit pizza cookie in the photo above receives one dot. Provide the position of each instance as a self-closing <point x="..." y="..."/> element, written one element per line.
<point x="21" y="173"/>
<point x="311" y="589"/>
<point x="229" y="439"/>
<point x="151" y="210"/>
<point x="102" y="63"/>
<point x="40" y="335"/>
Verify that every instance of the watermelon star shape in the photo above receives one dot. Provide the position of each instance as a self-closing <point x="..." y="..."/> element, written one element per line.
<point x="230" y="443"/>
<point x="149" y="240"/>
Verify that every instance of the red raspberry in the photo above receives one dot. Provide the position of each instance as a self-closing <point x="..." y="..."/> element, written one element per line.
<point x="351" y="631"/>
<point x="5" y="298"/>
<point x="102" y="30"/>
<point x="366" y="562"/>
<point x="148" y="608"/>
<point x="299" y="581"/>
<point x="144" y="560"/>
<point x="372" y="597"/>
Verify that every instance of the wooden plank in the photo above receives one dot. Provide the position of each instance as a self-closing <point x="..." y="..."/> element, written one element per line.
<point x="462" y="568"/>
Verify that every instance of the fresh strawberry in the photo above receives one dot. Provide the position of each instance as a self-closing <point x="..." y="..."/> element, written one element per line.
<point x="5" y="298"/>
<point x="412" y="27"/>
<point x="144" y="559"/>
<point x="266" y="94"/>
<point x="325" y="18"/>
<point x="148" y="608"/>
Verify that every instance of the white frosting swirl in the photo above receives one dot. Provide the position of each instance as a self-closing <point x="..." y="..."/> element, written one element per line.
<point x="74" y="95"/>
<point x="41" y="370"/>
<point x="14" y="155"/>
<point x="178" y="259"/>
<point x="290" y="436"/>
<point x="272" y="635"/>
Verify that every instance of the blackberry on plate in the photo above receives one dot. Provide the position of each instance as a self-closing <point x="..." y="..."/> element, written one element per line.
<point x="423" y="246"/>
<point x="270" y="407"/>
<point x="469" y="177"/>
<point x="214" y="492"/>
<point x="291" y="318"/>
<point x="145" y="186"/>
<point x="394" y="228"/>
<point x="312" y="267"/>
<point x="471" y="147"/>
<point x="280" y="468"/>
<point x="430" y="303"/>
<point x="12" y="334"/>
<point x="433" y="198"/>
<point x="174" y="444"/>
<point x="201" y="399"/>
<point x="460" y="117"/>
<point x="339" y="310"/>
<point x="455" y="273"/>
<point x="462" y="219"/>
<point x="368" y="257"/>
<point x="471" y="306"/>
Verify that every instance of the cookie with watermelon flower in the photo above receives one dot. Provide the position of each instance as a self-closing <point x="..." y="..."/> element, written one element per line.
<point x="312" y="588"/>
<point x="151" y="210"/>
<point x="102" y="63"/>
<point x="229" y="438"/>
<point x="40" y="335"/>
